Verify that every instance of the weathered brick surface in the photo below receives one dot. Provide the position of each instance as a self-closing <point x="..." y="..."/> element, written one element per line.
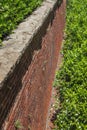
<point x="26" y="93"/>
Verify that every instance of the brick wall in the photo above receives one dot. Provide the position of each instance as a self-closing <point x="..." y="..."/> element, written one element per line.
<point x="25" y="95"/>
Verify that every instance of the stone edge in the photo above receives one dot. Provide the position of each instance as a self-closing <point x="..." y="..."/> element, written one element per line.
<point x="15" y="44"/>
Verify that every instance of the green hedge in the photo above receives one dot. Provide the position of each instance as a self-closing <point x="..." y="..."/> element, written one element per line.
<point x="14" y="11"/>
<point x="72" y="76"/>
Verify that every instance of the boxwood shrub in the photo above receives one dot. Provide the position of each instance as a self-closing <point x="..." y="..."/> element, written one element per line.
<point x="14" y="11"/>
<point x="71" y="79"/>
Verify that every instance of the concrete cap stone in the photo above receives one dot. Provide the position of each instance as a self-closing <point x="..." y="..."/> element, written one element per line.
<point x="14" y="45"/>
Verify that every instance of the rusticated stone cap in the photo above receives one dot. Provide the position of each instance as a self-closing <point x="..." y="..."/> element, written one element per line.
<point x="15" y="44"/>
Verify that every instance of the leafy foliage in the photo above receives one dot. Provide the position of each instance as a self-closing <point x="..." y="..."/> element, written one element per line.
<point x="14" y="11"/>
<point x="72" y="77"/>
<point x="18" y="124"/>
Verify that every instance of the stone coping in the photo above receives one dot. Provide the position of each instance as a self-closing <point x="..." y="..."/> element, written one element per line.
<point x="15" y="44"/>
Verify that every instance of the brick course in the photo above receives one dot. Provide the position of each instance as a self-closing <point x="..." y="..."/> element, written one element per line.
<point x="26" y="92"/>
